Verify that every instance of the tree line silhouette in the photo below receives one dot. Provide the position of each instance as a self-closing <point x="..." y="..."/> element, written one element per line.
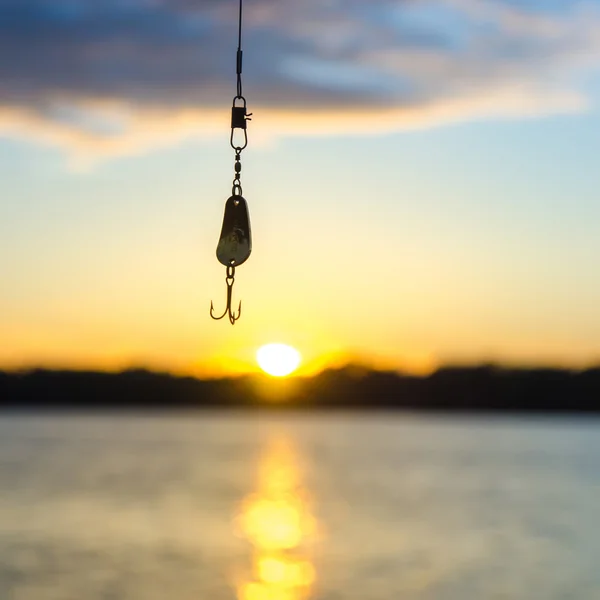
<point x="475" y="388"/>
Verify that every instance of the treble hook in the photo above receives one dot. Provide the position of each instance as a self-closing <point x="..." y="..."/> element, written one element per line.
<point x="229" y="279"/>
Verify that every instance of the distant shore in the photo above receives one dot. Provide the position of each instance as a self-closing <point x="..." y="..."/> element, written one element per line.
<point x="475" y="388"/>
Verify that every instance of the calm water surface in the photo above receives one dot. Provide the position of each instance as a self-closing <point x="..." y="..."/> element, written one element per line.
<point x="296" y="507"/>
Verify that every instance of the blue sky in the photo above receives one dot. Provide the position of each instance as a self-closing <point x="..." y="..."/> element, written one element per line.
<point x="421" y="179"/>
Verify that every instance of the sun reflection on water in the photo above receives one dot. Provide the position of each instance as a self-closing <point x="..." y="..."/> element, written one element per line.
<point x="277" y="521"/>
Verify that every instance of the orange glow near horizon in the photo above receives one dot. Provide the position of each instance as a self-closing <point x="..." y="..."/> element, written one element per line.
<point x="238" y="360"/>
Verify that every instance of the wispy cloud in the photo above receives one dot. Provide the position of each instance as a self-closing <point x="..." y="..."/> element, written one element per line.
<point x="123" y="76"/>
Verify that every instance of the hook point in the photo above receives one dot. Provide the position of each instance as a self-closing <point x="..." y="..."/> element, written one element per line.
<point x="231" y="314"/>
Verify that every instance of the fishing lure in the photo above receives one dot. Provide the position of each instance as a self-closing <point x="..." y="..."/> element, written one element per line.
<point x="235" y="241"/>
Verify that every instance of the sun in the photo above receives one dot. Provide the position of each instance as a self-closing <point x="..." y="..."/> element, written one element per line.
<point x="278" y="360"/>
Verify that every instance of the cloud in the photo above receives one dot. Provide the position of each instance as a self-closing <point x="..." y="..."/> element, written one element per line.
<point x="125" y="76"/>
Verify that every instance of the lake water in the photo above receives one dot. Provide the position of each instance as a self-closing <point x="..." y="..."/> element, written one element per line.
<point x="220" y="506"/>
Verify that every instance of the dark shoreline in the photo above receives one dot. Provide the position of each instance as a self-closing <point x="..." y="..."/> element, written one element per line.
<point x="485" y="388"/>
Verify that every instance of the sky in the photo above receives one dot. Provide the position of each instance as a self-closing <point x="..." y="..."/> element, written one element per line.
<point x="421" y="177"/>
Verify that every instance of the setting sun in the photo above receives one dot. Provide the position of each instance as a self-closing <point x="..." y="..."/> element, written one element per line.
<point x="278" y="360"/>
